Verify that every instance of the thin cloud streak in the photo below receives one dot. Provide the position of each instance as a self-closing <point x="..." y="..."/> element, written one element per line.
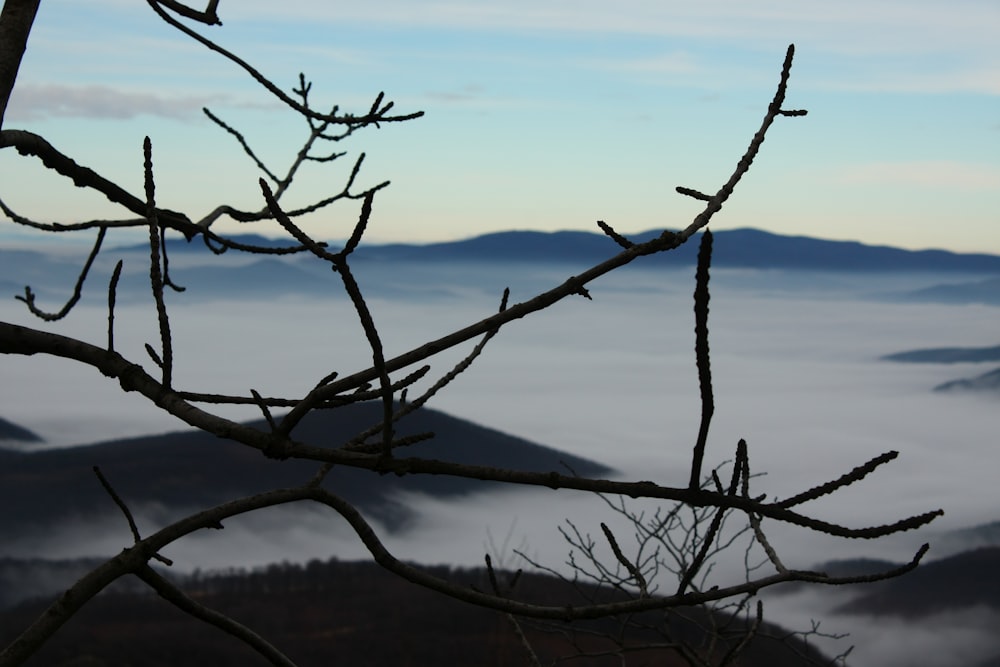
<point x="32" y="102"/>
<point x="905" y="47"/>
<point x="640" y="16"/>
<point x="855" y="27"/>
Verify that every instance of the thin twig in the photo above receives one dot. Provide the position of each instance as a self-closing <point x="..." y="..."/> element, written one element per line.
<point x="375" y="115"/>
<point x="855" y="475"/>
<point x="119" y="502"/>
<point x="29" y="297"/>
<point x="166" y="362"/>
<point x="242" y="141"/>
<point x="175" y="596"/>
<point x="632" y="569"/>
<point x="701" y="297"/>
<point x="112" y="295"/>
<point x="263" y="408"/>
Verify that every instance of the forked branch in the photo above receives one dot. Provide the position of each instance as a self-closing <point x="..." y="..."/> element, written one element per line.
<point x="276" y="439"/>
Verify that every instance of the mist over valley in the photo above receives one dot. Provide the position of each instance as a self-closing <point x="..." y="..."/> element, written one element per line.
<point x="798" y="362"/>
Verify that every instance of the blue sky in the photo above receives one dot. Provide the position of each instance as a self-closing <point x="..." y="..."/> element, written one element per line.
<point x="540" y="115"/>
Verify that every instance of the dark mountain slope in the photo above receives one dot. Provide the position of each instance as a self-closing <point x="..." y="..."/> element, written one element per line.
<point x="976" y="291"/>
<point x="744" y="248"/>
<point x="946" y="355"/>
<point x="989" y="381"/>
<point x="737" y="248"/>
<point x="968" y="579"/>
<point x="184" y="470"/>
<point x="355" y="613"/>
<point x="11" y="431"/>
<point x="756" y="248"/>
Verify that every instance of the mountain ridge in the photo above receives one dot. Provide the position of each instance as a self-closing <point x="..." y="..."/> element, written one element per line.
<point x="739" y="248"/>
<point x="175" y="472"/>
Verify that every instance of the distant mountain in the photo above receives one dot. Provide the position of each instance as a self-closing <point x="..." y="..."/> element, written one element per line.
<point x="176" y="244"/>
<point x="173" y="473"/>
<point x="986" y="382"/>
<point x="11" y="431"/>
<point x="356" y="613"/>
<point x="946" y="355"/>
<point x="39" y="270"/>
<point x="983" y="535"/>
<point x="989" y="381"/>
<point x="263" y="278"/>
<point x="428" y="270"/>
<point x="966" y="580"/>
<point x="849" y="567"/>
<point x="738" y="248"/>
<point x="759" y="249"/>
<point x="978" y="291"/>
<point x="30" y="578"/>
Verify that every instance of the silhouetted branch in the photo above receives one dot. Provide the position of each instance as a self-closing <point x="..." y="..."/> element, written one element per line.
<point x="708" y="541"/>
<point x="208" y="17"/>
<point x="743" y="166"/>
<point x="701" y="196"/>
<point x="166" y="362"/>
<point x="68" y="227"/>
<point x="16" y="20"/>
<point x="29" y="296"/>
<point x="855" y="475"/>
<point x="175" y="596"/>
<point x="377" y="114"/>
<point x="447" y="378"/>
<point x="15" y="339"/>
<point x="515" y="624"/>
<point x="242" y="141"/>
<point x="119" y="502"/>
<point x="635" y="573"/>
<point x="133" y="559"/>
<point x="264" y="409"/>
<point x="27" y="143"/>
<point x="706" y="499"/>
<point x="339" y="262"/>
<point x="618" y="238"/>
<point x="275" y="402"/>
<point x="112" y="296"/>
<point x="734" y="652"/>
<point x="701" y="297"/>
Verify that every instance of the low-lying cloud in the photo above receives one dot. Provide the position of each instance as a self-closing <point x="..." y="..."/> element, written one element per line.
<point x="33" y="102"/>
<point x="796" y="373"/>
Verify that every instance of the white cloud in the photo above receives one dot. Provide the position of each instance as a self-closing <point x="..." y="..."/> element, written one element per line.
<point x="33" y="101"/>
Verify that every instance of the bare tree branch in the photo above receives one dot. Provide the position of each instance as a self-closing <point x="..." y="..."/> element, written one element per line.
<point x="28" y="143"/>
<point x="703" y="499"/>
<point x="377" y="113"/>
<point x="208" y="17"/>
<point x="29" y="296"/>
<point x="701" y="298"/>
<point x="175" y="596"/>
<point x="16" y="20"/>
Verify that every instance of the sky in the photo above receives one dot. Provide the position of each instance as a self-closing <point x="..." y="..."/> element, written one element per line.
<point x="542" y="115"/>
